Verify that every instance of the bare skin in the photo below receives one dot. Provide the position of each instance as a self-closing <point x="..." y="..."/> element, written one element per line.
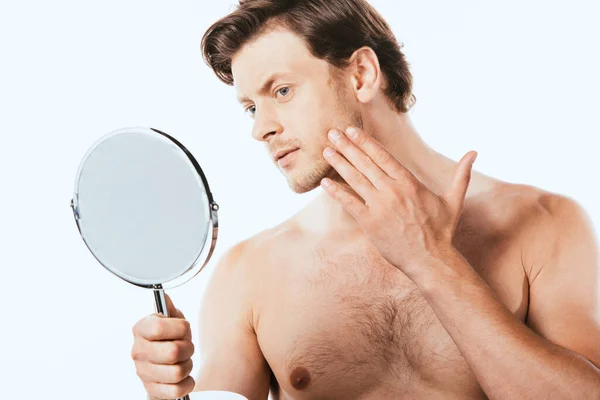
<point x="311" y="310"/>
<point x="332" y="320"/>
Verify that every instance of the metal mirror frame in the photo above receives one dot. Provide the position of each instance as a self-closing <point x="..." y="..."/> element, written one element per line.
<point x="213" y="208"/>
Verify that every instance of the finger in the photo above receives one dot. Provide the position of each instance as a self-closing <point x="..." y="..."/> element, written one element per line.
<point x="353" y="177"/>
<point x="173" y="312"/>
<point x="460" y="183"/>
<point x="168" y="352"/>
<point x="379" y="154"/>
<point x="161" y="373"/>
<point x="355" y="206"/>
<point x="171" y="352"/>
<point x="157" y="327"/>
<point x="358" y="158"/>
<point x="170" y="391"/>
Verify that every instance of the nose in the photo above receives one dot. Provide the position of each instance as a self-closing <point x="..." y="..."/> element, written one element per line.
<point x="265" y="124"/>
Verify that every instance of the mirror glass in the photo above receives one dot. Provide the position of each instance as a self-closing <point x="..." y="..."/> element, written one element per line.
<point x="143" y="208"/>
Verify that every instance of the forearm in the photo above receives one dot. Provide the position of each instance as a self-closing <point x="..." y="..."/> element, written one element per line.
<point x="508" y="359"/>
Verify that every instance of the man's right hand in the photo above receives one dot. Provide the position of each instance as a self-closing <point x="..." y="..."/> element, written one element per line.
<point x="162" y="351"/>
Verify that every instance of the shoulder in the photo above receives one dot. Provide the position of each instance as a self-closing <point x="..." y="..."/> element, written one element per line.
<point x="564" y="230"/>
<point x="252" y="257"/>
<point x="241" y="277"/>
<point x="553" y="218"/>
<point x="538" y="224"/>
<point x="536" y="211"/>
<point x="551" y="228"/>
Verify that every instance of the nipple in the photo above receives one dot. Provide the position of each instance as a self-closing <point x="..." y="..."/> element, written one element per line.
<point x="300" y="378"/>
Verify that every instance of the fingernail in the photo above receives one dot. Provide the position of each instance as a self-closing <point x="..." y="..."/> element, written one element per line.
<point x="328" y="152"/>
<point x="352" y="133"/>
<point x="334" y="134"/>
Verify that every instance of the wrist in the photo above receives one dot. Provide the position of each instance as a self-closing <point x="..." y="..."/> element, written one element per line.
<point x="446" y="265"/>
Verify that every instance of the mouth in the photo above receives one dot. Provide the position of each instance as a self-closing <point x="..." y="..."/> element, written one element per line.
<point x="282" y="154"/>
<point x="285" y="158"/>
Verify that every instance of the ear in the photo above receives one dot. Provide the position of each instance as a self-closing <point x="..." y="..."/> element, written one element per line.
<point x="365" y="74"/>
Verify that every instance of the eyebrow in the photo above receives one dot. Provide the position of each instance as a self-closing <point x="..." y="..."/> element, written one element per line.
<point x="265" y="87"/>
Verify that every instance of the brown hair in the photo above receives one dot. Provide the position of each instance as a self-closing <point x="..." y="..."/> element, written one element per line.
<point x="332" y="29"/>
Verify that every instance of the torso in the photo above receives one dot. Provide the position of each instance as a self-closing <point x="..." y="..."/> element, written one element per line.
<point x="334" y="320"/>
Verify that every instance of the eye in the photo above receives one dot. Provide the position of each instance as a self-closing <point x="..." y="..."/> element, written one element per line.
<point x="284" y="91"/>
<point x="251" y="110"/>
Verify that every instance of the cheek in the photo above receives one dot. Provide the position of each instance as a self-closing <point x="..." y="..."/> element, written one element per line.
<point x="309" y="118"/>
<point x="307" y="123"/>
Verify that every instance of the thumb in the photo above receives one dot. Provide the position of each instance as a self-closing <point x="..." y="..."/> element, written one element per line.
<point x="173" y="312"/>
<point x="460" y="183"/>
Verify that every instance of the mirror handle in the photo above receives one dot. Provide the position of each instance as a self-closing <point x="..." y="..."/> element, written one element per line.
<point x="160" y="303"/>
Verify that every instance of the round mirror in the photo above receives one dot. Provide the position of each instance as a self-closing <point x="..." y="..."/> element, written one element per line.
<point x="144" y="209"/>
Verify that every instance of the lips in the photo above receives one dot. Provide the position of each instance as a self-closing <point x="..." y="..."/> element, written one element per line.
<point x="282" y="153"/>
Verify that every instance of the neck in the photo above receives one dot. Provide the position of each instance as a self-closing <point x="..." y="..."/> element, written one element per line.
<point x="398" y="135"/>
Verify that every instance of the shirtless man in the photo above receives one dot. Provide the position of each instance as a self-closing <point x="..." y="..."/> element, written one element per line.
<point x="413" y="278"/>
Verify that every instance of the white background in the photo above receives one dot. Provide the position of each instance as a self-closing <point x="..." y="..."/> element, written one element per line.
<point x="515" y="80"/>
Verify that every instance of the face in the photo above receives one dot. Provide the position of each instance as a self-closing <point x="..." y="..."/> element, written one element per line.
<point x="294" y="100"/>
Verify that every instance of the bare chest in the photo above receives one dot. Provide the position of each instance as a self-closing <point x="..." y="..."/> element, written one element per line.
<point x="348" y="325"/>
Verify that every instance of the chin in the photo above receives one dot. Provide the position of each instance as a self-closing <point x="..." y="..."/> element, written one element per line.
<point x="303" y="187"/>
<point x="305" y="181"/>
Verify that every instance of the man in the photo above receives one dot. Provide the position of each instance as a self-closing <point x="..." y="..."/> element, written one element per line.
<point x="410" y="276"/>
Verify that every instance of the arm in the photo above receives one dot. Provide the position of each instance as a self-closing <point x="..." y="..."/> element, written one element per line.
<point x="509" y="359"/>
<point x="229" y="354"/>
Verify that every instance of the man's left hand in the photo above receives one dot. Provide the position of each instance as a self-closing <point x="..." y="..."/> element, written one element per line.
<point x="408" y="223"/>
